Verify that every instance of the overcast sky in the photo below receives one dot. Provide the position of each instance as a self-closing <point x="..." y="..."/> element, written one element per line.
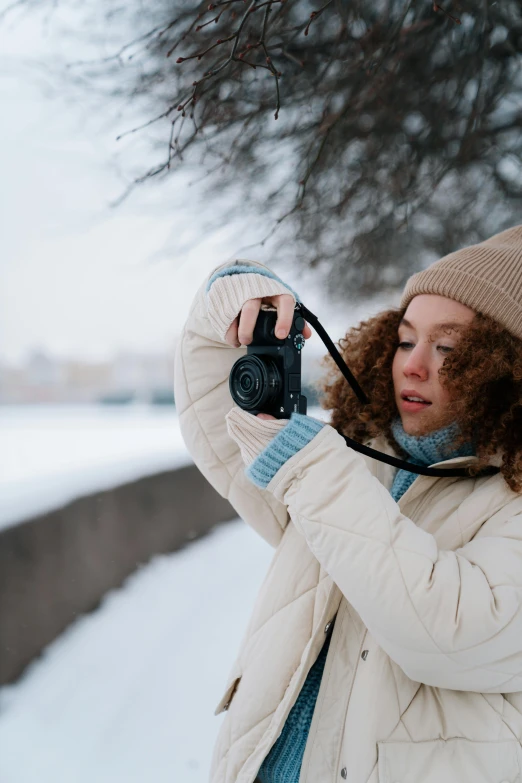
<point x="79" y="278"/>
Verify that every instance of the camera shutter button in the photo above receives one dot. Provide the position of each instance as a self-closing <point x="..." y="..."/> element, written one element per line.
<point x="299" y="323"/>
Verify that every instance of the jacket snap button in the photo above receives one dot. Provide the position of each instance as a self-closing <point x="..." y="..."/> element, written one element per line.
<point x="364" y="654"/>
<point x="344" y="773"/>
<point x="226" y="706"/>
<point x="327" y="627"/>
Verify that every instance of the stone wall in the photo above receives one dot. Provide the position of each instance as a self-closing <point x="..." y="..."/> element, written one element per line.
<point x="59" y="565"/>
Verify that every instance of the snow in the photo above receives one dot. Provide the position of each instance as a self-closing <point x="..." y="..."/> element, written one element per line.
<point x="128" y="692"/>
<point x="51" y="455"/>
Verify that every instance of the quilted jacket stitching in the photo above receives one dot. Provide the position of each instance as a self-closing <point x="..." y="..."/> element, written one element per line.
<point x="395" y="549"/>
<point x="444" y="654"/>
<point x="232" y="742"/>
<point x="501" y="717"/>
<point x="225" y="465"/>
<point x="282" y="608"/>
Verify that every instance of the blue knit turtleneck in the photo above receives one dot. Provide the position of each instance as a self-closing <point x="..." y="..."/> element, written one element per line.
<point x="425" y="450"/>
<point x="283" y="763"/>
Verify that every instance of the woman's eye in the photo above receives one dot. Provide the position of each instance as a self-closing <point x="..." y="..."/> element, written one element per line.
<point x="405" y="345"/>
<point x="445" y="348"/>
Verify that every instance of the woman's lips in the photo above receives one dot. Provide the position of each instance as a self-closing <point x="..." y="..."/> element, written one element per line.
<point x="413" y="407"/>
<point x="418" y="403"/>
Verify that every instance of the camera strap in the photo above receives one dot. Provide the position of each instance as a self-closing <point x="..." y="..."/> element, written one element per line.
<point x="395" y="462"/>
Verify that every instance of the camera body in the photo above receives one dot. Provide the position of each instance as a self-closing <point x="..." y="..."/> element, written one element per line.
<point x="268" y="378"/>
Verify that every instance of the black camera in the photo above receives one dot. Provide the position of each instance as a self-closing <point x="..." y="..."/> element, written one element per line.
<point x="268" y="378"/>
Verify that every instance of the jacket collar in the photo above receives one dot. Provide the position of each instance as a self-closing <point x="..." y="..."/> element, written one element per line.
<point x="386" y="473"/>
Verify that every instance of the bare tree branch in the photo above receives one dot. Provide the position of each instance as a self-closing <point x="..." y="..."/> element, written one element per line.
<point x="394" y="119"/>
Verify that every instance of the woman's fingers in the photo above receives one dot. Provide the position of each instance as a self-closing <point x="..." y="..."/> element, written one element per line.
<point x="285" y="314"/>
<point x="247" y="320"/>
<point x="241" y="330"/>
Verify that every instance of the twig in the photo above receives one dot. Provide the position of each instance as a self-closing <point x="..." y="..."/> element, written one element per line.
<point x="215" y="20"/>
<point x="232" y="57"/>
<point x="147" y="124"/>
<point x="117" y="55"/>
<point x="235" y="36"/>
<point x="316" y="14"/>
<point x="437" y="7"/>
<point x="276" y="74"/>
<point x="212" y="6"/>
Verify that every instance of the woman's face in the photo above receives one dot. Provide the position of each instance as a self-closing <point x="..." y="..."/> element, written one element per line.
<point x="428" y="332"/>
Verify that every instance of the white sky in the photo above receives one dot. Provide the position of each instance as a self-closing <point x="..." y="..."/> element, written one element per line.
<point x="79" y="278"/>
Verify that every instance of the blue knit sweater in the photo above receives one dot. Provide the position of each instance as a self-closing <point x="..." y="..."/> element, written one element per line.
<point x="283" y="763"/>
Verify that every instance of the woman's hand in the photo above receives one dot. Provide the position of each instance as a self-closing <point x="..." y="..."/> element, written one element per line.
<point x="241" y="330"/>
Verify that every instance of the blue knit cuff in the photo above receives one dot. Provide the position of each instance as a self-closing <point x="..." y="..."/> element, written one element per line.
<point x="241" y="269"/>
<point x="299" y="431"/>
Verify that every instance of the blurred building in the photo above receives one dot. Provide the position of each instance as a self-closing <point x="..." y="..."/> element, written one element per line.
<point x="127" y="378"/>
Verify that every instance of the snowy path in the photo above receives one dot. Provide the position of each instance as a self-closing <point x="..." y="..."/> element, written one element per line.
<point x="127" y="693"/>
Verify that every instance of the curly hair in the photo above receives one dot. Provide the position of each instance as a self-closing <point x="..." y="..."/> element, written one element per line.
<point x="483" y="374"/>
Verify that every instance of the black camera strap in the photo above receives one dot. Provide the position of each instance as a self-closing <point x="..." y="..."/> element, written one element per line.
<point x="334" y="353"/>
<point x="395" y="462"/>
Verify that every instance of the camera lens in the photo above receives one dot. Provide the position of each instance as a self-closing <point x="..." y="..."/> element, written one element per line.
<point x="255" y="382"/>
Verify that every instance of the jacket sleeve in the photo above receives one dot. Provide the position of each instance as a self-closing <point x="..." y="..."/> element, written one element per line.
<point x="450" y="619"/>
<point x="202" y="364"/>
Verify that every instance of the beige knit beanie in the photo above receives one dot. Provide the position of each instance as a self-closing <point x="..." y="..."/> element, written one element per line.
<point x="486" y="277"/>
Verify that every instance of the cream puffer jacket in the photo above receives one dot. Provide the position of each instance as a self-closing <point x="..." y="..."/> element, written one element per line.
<point x="423" y="680"/>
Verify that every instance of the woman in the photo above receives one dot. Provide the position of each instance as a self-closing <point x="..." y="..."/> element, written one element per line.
<point x="386" y="641"/>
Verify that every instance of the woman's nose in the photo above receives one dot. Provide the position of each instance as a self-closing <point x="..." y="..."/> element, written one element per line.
<point x="416" y="364"/>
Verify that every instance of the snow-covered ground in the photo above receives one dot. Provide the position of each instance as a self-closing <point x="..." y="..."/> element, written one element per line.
<point x="50" y="455"/>
<point x="127" y="693"/>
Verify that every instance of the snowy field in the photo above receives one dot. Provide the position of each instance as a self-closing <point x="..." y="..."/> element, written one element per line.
<point x="50" y="455"/>
<point x="127" y="693"/>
